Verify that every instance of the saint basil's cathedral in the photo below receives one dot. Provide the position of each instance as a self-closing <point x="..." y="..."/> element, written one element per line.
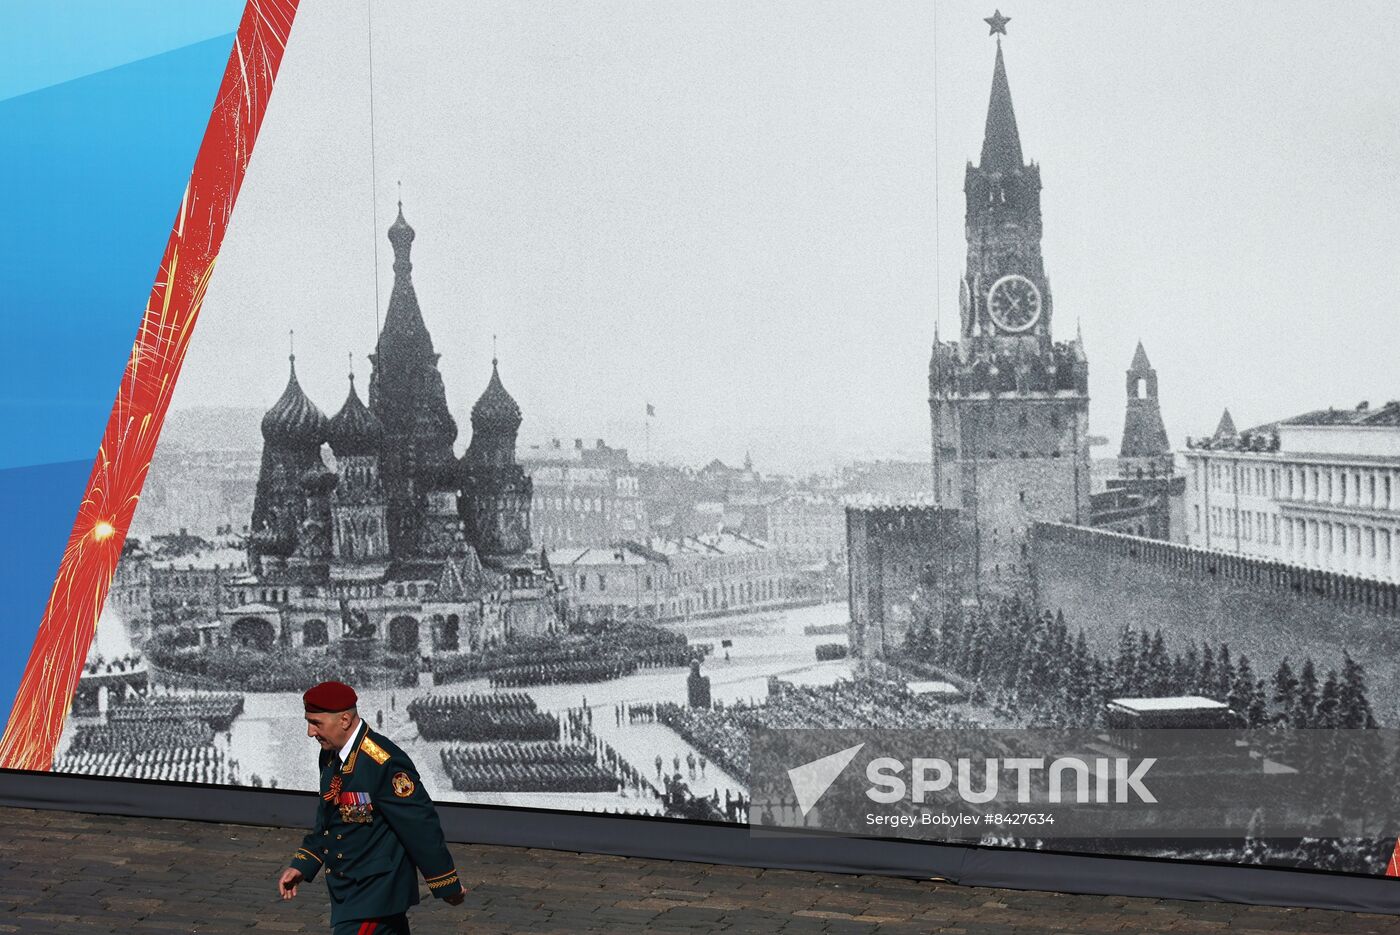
<point x="402" y="541"/>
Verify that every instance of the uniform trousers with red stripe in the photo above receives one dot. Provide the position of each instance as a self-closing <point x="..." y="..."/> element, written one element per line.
<point x="385" y="925"/>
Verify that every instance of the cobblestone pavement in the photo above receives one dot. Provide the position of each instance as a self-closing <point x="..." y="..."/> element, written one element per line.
<point x="76" y="874"/>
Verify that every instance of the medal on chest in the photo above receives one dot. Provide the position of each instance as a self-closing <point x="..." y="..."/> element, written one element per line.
<point x="355" y="807"/>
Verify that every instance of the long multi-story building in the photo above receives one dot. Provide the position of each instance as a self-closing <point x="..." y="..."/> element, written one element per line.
<point x="129" y="596"/>
<point x="200" y="490"/>
<point x="585" y="495"/>
<point x="190" y="587"/>
<point x="808" y="528"/>
<point x="671" y="579"/>
<point x="1321" y="490"/>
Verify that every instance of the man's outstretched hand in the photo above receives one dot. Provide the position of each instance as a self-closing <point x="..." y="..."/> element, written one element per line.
<point x="287" y="885"/>
<point x="456" y="898"/>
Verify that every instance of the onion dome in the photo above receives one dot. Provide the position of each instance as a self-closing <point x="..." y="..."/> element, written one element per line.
<point x="294" y="419"/>
<point x="354" y="430"/>
<point x="404" y="341"/>
<point x="496" y="411"/>
<point x="401" y="236"/>
<point x="317" y="479"/>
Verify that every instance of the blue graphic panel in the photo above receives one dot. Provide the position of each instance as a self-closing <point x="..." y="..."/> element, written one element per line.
<point x="91" y="175"/>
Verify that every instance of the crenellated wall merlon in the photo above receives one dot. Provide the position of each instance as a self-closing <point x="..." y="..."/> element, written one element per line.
<point x="902" y="509"/>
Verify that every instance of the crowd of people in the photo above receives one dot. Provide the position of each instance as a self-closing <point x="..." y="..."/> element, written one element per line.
<point x="149" y="748"/>
<point x="182" y="764"/>
<point x="482" y="718"/>
<point x="140" y="737"/>
<point x="429" y="704"/>
<point x="577" y="728"/>
<point x="553" y="673"/>
<point x="532" y="777"/>
<point x="669" y="657"/>
<point x="847" y="704"/>
<point x="632" y="713"/>
<point x="722" y="732"/>
<point x="680" y="802"/>
<point x="636" y="635"/>
<point x="571" y="759"/>
<point x="161" y="734"/>
<point x="512" y="752"/>
<point x="590" y="652"/>
<point x="278" y="669"/>
<point x="691" y="762"/>
<point x="544" y="767"/>
<point x="712" y="731"/>
<point x="217" y="709"/>
<point x="781" y="810"/>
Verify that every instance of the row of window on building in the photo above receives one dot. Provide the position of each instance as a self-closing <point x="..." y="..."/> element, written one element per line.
<point x="1350" y="547"/>
<point x="358" y="590"/>
<point x="1248" y="525"/>
<point x="1374" y="488"/>
<point x="735" y="595"/>
<point x="574" y="504"/>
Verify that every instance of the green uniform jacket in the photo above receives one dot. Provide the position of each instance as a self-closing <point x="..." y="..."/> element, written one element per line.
<point x="373" y="828"/>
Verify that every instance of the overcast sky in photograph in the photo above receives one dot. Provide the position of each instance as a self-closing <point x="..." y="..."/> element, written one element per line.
<point x="750" y="215"/>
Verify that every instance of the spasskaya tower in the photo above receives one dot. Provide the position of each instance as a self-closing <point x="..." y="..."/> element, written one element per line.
<point x="1009" y="406"/>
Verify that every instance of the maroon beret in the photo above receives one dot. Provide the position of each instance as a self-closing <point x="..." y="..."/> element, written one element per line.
<point x="329" y="697"/>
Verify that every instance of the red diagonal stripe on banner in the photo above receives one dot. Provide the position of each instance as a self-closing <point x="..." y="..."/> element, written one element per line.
<point x="104" y="515"/>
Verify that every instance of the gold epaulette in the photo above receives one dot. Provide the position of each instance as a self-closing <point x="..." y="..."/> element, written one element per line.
<point x="374" y="751"/>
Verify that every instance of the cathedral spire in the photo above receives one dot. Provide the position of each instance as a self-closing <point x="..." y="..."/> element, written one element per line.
<point x="1001" y="143"/>
<point x="403" y="322"/>
<point x="406" y="396"/>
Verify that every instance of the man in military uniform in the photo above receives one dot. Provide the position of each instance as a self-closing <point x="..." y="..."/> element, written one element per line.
<point x="374" y="824"/>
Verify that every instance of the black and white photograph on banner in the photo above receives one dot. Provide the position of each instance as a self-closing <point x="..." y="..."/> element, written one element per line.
<point x="590" y="387"/>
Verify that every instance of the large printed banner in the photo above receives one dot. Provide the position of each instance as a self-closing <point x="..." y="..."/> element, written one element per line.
<point x="654" y="410"/>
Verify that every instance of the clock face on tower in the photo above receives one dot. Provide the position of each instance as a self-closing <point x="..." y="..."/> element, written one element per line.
<point x="1014" y="303"/>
